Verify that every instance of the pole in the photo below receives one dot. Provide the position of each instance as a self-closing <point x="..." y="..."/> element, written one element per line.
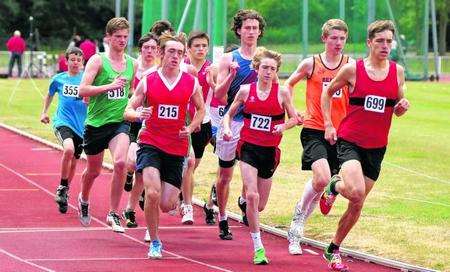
<point x="183" y="17"/>
<point x="165" y="9"/>
<point x="210" y="28"/>
<point x="117" y="8"/>
<point x="425" y="36"/>
<point x="401" y="54"/>
<point x="242" y="4"/>
<point x="435" y="43"/>
<point x="342" y="9"/>
<point x="305" y="28"/>
<point x="131" y="21"/>
<point x="370" y="11"/>
<point x="198" y="18"/>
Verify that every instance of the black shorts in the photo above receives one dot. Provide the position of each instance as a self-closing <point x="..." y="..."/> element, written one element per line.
<point x="170" y="166"/>
<point x="201" y="139"/>
<point x="315" y="147"/>
<point x="96" y="139"/>
<point x="135" y="127"/>
<point x="370" y="159"/>
<point x="264" y="159"/>
<point x="63" y="133"/>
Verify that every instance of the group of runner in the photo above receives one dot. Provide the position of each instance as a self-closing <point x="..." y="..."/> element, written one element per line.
<point x="158" y="113"/>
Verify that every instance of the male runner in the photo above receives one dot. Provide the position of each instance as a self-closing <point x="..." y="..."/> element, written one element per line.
<point x="107" y="81"/>
<point x="164" y="139"/>
<point x="235" y="69"/>
<point x="264" y="106"/>
<point x="376" y="90"/>
<point x="68" y="121"/>
<point x="318" y="155"/>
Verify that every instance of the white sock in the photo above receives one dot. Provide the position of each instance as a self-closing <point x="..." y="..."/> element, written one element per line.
<point x="257" y="243"/>
<point x="242" y="200"/>
<point x="307" y="198"/>
<point x="223" y="217"/>
<point x="313" y="205"/>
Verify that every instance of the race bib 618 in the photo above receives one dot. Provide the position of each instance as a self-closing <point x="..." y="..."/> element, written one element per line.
<point x="168" y="112"/>
<point x="260" y="122"/>
<point x="375" y="103"/>
<point x="116" y="93"/>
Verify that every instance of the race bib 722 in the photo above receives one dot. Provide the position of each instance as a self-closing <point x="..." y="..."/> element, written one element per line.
<point x="260" y="122"/>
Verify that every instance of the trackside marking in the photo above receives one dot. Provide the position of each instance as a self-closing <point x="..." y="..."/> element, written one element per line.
<point x="96" y="259"/>
<point x="25" y="261"/>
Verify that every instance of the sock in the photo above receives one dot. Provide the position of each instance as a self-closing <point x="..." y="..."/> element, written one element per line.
<point x="332" y="247"/>
<point x="242" y="200"/>
<point x="130" y="176"/>
<point x="307" y="198"/>
<point x="65" y="182"/>
<point x="313" y="205"/>
<point x="257" y="243"/>
<point x="223" y="217"/>
<point x="333" y="187"/>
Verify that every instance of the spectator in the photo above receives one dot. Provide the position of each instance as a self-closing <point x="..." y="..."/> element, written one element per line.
<point x="16" y="46"/>
<point x="62" y="63"/>
<point x="75" y="42"/>
<point x="89" y="49"/>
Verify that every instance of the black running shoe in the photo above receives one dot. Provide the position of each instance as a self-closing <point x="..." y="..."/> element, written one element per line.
<point x="225" y="233"/>
<point x="209" y="215"/>
<point x="214" y="194"/>
<point x="130" y="218"/>
<point x="243" y="208"/>
<point x="128" y="182"/>
<point x="62" y="197"/>
<point x="142" y="200"/>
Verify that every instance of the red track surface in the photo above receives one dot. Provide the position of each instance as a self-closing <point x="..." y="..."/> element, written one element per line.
<point x="34" y="236"/>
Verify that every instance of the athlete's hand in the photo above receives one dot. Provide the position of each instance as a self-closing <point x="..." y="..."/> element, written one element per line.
<point x="300" y="118"/>
<point x="44" y="118"/>
<point x="210" y="77"/>
<point x="119" y="82"/>
<point x="198" y="128"/>
<point x="330" y="134"/>
<point x="144" y="113"/>
<point x="278" y="129"/>
<point x="227" y="134"/>
<point x="234" y="66"/>
<point x="185" y="132"/>
<point x="401" y="107"/>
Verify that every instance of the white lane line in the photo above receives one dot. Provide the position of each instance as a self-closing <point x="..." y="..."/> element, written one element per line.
<point x="59" y="174"/>
<point x="41" y="149"/>
<point x="417" y="173"/>
<point x="17" y="189"/>
<point x="418" y="200"/>
<point x="96" y="259"/>
<point x="25" y="261"/>
<point x="104" y="224"/>
<point x="311" y="251"/>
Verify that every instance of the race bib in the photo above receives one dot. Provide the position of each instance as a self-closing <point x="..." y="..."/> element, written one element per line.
<point x="375" y="103"/>
<point x="168" y="112"/>
<point x="260" y="122"/>
<point x="221" y="110"/>
<point x="116" y="93"/>
<point x="70" y="90"/>
<point x="325" y="84"/>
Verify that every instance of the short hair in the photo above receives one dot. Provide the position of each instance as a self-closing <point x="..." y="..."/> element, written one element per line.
<point x="167" y="36"/>
<point x="334" y="24"/>
<point x="263" y="53"/>
<point x="196" y="35"/>
<point x="230" y="48"/>
<point x="243" y="15"/>
<point x="73" y="50"/>
<point x="379" y="26"/>
<point x="147" y="37"/>
<point x="160" y="26"/>
<point x="116" y="23"/>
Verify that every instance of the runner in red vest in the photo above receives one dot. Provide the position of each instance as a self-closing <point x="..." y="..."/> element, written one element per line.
<point x="264" y="105"/>
<point x="376" y="87"/>
<point x="163" y="141"/>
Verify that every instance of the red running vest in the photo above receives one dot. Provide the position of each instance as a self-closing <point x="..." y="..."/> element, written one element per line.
<point x="260" y="116"/>
<point x="169" y="112"/>
<point x="370" y="109"/>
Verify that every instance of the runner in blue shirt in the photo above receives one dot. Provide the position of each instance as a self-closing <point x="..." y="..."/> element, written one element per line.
<point x="68" y="122"/>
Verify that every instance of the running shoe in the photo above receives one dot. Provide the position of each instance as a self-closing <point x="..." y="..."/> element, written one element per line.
<point x="188" y="214"/>
<point x="142" y="200"/>
<point x="224" y="230"/>
<point x="260" y="257"/>
<point x="243" y="208"/>
<point x="128" y="182"/>
<point x="334" y="261"/>
<point x="327" y="199"/>
<point x="295" y="233"/>
<point x="130" y="218"/>
<point x="209" y="215"/>
<point x="113" y="220"/>
<point x="214" y="194"/>
<point x="147" y="237"/>
<point x="155" y="250"/>
<point x="62" y="197"/>
<point x="83" y="212"/>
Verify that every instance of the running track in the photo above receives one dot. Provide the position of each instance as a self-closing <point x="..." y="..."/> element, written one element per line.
<point x="34" y="236"/>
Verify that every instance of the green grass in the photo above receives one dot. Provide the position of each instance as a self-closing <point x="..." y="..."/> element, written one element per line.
<point x="407" y="215"/>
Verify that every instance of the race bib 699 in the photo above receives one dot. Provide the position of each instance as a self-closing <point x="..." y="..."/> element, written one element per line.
<point x="375" y="103"/>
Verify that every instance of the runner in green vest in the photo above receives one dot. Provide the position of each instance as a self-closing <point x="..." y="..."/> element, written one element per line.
<point x="107" y="81"/>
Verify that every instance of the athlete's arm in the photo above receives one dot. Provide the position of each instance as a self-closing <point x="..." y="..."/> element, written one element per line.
<point x="292" y="113"/>
<point x="239" y="100"/>
<point x="211" y="76"/>
<point x="93" y="67"/>
<point x="345" y="76"/>
<point x="403" y="104"/>
<point x="227" y="72"/>
<point x="135" y="67"/>
<point x="134" y="111"/>
<point x="304" y="70"/>
<point x="197" y="100"/>
<point x="44" y="116"/>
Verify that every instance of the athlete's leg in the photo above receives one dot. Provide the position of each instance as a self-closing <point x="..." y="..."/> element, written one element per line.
<point x="93" y="168"/>
<point x="169" y="197"/>
<point x="187" y="185"/>
<point x="223" y="189"/>
<point x="118" y="147"/>
<point x="152" y="186"/>
<point x="66" y="160"/>
<point x="133" y="198"/>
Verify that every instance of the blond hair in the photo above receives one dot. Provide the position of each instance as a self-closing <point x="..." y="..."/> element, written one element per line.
<point x="166" y="36"/>
<point x="379" y="26"/>
<point x="117" y="23"/>
<point x="333" y="24"/>
<point x="263" y="53"/>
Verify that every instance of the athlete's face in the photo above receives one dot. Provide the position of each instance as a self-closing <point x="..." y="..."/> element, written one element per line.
<point x="173" y="54"/>
<point x="335" y="41"/>
<point x="380" y="45"/>
<point x="118" y="39"/>
<point x="74" y="63"/>
<point x="249" y="31"/>
<point x="149" y="51"/>
<point x="198" y="49"/>
<point x="267" y="70"/>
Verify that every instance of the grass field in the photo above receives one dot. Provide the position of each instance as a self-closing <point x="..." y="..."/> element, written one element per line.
<point x="407" y="215"/>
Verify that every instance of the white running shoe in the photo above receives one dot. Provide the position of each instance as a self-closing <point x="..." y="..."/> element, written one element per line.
<point x="155" y="250"/>
<point x="295" y="233"/>
<point x="113" y="219"/>
<point x="147" y="237"/>
<point x="83" y="212"/>
<point x="188" y="214"/>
